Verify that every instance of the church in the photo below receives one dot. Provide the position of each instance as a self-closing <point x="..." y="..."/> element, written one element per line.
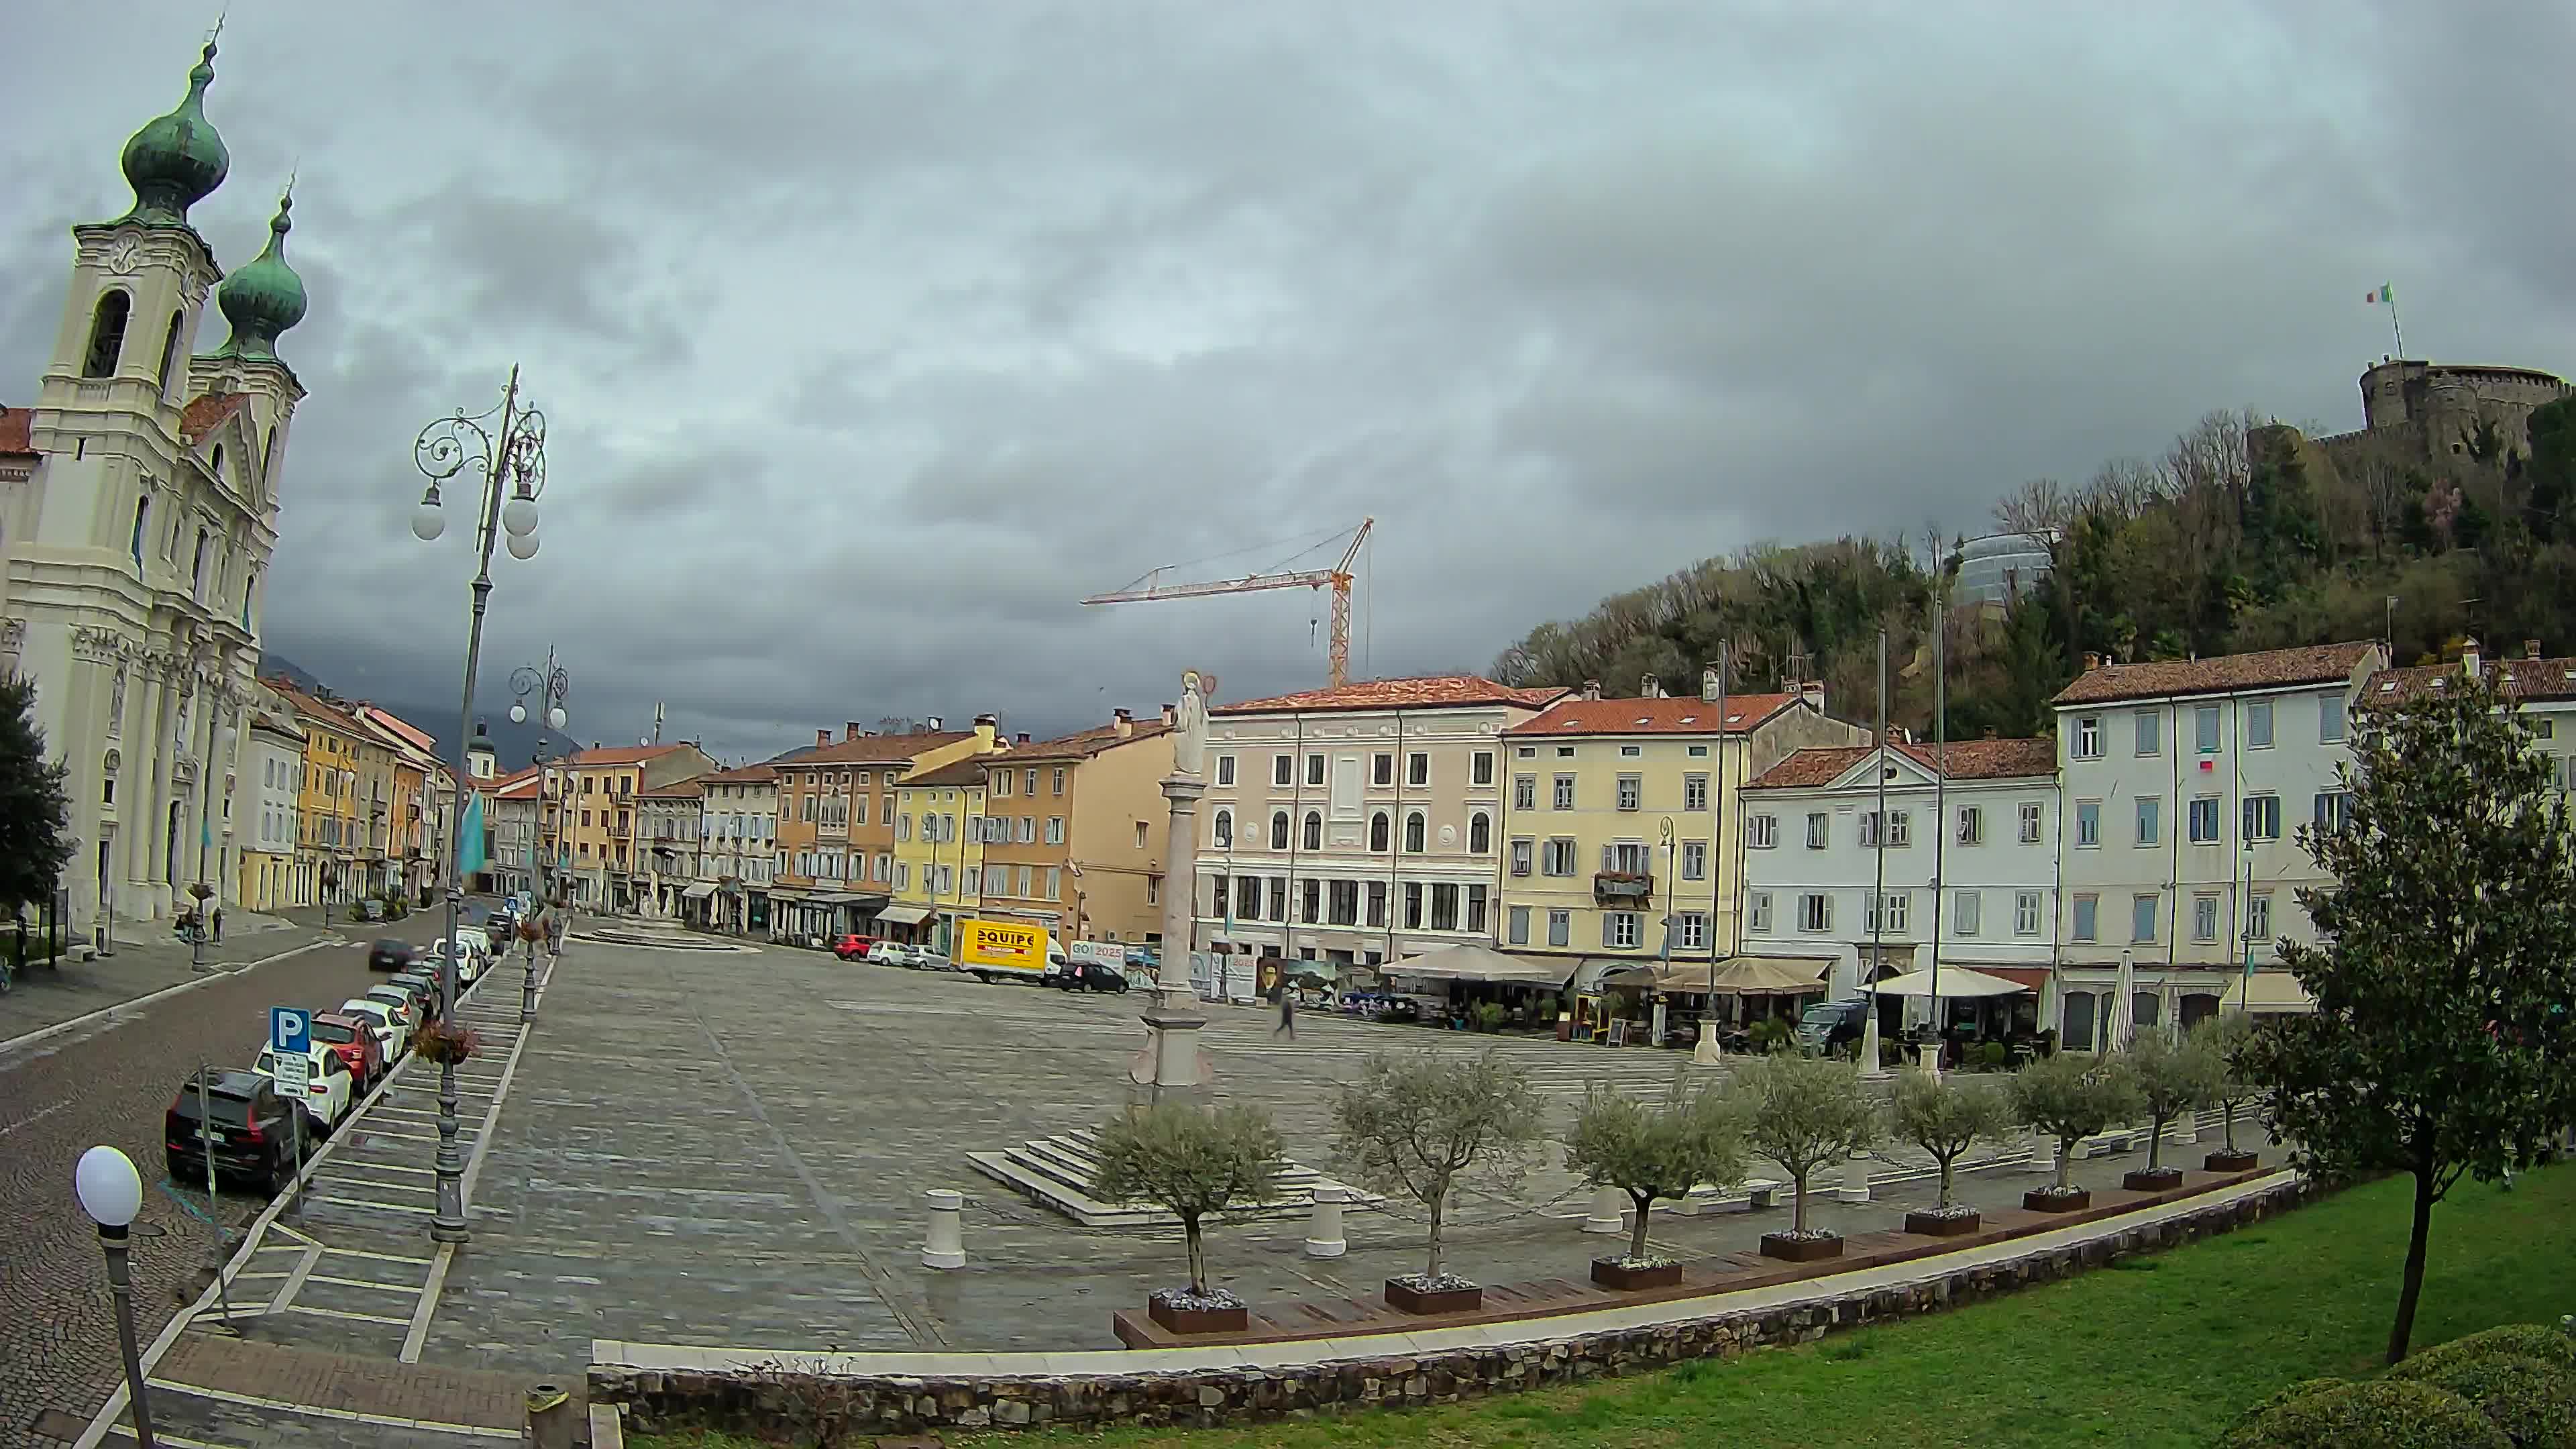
<point x="138" y="510"/>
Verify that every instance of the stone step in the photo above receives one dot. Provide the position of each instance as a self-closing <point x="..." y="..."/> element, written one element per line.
<point x="1050" y="1179"/>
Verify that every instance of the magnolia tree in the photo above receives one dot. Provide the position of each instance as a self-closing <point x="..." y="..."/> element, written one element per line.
<point x="1653" y="1152"/>
<point x="2172" y="1077"/>
<point x="1423" y="1124"/>
<point x="1945" y="1116"/>
<point x="2229" y="1040"/>
<point x="1192" y="1163"/>
<point x="1803" y="1113"/>
<point x="2442" y="1037"/>
<point x="2070" y="1097"/>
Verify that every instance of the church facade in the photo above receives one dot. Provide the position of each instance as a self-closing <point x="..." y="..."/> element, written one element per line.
<point x="138" y="513"/>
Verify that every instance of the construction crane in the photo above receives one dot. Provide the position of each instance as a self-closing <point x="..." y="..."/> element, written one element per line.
<point x="1338" y="578"/>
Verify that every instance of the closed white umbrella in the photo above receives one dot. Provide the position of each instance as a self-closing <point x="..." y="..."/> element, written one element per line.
<point x="2123" y="1015"/>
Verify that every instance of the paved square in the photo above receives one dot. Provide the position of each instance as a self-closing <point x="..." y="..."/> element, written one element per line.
<point x="733" y="1149"/>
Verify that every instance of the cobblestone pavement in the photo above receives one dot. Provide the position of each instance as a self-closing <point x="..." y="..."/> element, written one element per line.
<point x="732" y="1150"/>
<point x="110" y="1080"/>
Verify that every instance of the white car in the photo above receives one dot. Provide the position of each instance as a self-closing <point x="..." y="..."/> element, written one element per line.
<point x="391" y="1033"/>
<point x="475" y="960"/>
<point x="330" y="1091"/>
<point x="894" y="953"/>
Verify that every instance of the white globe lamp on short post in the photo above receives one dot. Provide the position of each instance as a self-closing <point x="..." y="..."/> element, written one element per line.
<point x="111" y="1192"/>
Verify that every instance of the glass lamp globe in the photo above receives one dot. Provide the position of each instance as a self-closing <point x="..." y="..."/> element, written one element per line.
<point x="519" y="517"/>
<point x="110" y="1190"/>
<point x="518" y="714"/>
<point x="428" y="521"/>
<point x="555" y="718"/>
<point x="523" y="545"/>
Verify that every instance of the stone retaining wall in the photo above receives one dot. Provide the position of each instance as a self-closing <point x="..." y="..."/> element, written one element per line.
<point x="780" y="1399"/>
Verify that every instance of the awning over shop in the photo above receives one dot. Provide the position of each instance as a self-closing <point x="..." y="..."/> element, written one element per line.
<point x="903" y="915"/>
<point x="2031" y="978"/>
<point x="2268" y="992"/>
<point x="845" y="898"/>
<point x="1740" y="976"/>
<point x="698" y="892"/>
<point x="1476" y="963"/>
<point x="1957" y="982"/>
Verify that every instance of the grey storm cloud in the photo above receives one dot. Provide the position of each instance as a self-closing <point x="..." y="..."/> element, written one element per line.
<point x="871" y="338"/>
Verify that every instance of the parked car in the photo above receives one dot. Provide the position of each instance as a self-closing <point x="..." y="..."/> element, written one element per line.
<point x="854" y="947"/>
<point x="1085" y="976"/>
<point x="475" y="954"/>
<point x="388" y="955"/>
<point x="894" y="953"/>
<point x="422" y="983"/>
<point x="393" y="1038"/>
<point x="330" y="1092"/>
<point x="1828" y="1026"/>
<point x="356" y="1044"/>
<point x="403" y="1001"/>
<point x="246" y="1118"/>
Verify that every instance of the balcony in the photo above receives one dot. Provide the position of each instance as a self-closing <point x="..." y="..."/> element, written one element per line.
<point x="621" y="832"/>
<point x="1623" y="888"/>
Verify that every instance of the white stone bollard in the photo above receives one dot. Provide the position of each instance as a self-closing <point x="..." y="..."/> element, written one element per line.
<point x="947" y="1245"/>
<point x="1324" y="1228"/>
<point x="1855" y="1184"/>
<point x="2043" y="1153"/>
<point x="2189" y="1127"/>
<point x="1609" y="1212"/>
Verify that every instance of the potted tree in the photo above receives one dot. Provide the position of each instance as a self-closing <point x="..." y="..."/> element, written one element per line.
<point x="2070" y="1097"/>
<point x="1945" y="1116"/>
<point x="1803" y="1113"/>
<point x="2173" y="1077"/>
<point x="1191" y="1163"/>
<point x="1421" y="1124"/>
<point x="2229" y="1039"/>
<point x="1650" y="1153"/>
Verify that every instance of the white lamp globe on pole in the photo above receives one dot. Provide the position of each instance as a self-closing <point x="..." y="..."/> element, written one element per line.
<point x="555" y="718"/>
<point x="428" y="521"/>
<point x="518" y="714"/>
<point x="523" y="546"/>
<point x="110" y="1190"/>
<point x="519" y="516"/>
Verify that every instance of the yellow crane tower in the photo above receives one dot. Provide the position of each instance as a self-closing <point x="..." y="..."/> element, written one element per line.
<point x="1338" y="578"/>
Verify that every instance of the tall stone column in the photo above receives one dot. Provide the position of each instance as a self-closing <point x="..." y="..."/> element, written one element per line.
<point x="1171" y="1067"/>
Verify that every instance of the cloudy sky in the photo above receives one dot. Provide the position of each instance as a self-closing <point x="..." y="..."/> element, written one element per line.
<point x="874" y="335"/>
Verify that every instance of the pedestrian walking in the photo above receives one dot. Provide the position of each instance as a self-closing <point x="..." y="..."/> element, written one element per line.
<point x="1287" y="1012"/>
<point x="219" y="925"/>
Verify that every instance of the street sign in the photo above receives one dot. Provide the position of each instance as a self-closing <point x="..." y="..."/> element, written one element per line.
<point x="290" y="1029"/>
<point x="294" y="1074"/>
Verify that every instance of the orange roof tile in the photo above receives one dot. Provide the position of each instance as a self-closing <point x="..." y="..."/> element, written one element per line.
<point x="17" y="432"/>
<point x="676" y="790"/>
<point x="2266" y="669"/>
<point x="968" y="771"/>
<point x="1968" y="760"/>
<point x="1658" y="716"/>
<point x="207" y="412"/>
<point x="873" y="749"/>
<point x="2518" y="679"/>
<point x="1430" y="691"/>
<point x="746" y="775"/>
<point x="1081" y="744"/>
<point x="618" y="755"/>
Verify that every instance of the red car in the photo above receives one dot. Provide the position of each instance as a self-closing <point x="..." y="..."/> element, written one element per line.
<point x="355" y="1044"/>
<point x="852" y="948"/>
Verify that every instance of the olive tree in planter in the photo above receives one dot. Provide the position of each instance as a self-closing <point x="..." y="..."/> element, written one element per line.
<point x="2173" y="1077"/>
<point x="2070" y="1097"/>
<point x="1191" y="1163"/>
<point x="2229" y="1040"/>
<point x="1946" y="1116"/>
<point x="1422" y="1124"/>
<point x="1651" y="1152"/>
<point x="1803" y="1113"/>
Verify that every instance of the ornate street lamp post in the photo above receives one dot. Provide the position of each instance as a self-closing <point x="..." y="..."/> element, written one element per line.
<point x="509" y="458"/>
<point x="111" y="1192"/>
<point x="551" y="686"/>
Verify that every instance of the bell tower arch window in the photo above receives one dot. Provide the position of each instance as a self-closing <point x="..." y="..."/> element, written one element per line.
<point x="170" y="348"/>
<point x="107" y="333"/>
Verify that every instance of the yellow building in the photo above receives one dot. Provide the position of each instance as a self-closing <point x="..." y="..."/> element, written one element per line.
<point x="1619" y="812"/>
<point x="938" y="849"/>
<point x="836" y="838"/>
<point x="598" y="816"/>
<point x="330" y="813"/>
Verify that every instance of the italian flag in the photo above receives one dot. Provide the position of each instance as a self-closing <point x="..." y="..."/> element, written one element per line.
<point x="2385" y="294"/>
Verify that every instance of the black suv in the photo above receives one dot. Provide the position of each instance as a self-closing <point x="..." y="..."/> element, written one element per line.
<point x="388" y="956"/>
<point x="253" y="1140"/>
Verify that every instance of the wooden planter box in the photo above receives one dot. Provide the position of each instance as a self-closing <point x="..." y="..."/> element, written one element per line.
<point x="2152" y="1179"/>
<point x="1800" y="1250"/>
<point x="1198" y="1320"/>
<point x="2042" y="1200"/>
<point x="1405" y="1298"/>
<point x="1611" y="1273"/>
<point x="2231" y="1162"/>
<point x="1934" y="1225"/>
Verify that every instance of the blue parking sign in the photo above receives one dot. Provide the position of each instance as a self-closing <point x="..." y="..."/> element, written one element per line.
<point x="290" y="1029"/>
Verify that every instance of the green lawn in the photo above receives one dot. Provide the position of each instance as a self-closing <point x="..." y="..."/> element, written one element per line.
<point x="2159" y="1351"/>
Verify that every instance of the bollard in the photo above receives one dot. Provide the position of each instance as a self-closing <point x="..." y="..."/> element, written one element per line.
<point x="1324" y="1229"/>
<point x="550" y="1417"/>
<point x="947" y="1245"/>
<point x="2190" y="1125"/>
<point x="1855" y="1184"/>
<point x="2043" y="1153"/>
<point x="1609" y="1212"/>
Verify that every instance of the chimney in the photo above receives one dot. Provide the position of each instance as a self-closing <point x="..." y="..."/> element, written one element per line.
<point x="2092" y="661"/>
<point x="1021" y="738"/>
<point x="1708" y="686"/>
<point x="850" y="729"/>
<point x="1990" y="732"/>
<point x="2530" y="648"/>
<point x="933" y="725"/>
<point x="822" y="737"/>
<point x="1171" y="715"/>
<point x="1123" y="722"/>
<point x="1650" y="687"/>
<point x="1592" y="689"/>
<point x="988" y="728"/>
<point x="2469" y="657"/>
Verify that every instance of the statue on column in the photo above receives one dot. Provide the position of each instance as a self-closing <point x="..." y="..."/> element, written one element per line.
<point x="1189" y="733"/>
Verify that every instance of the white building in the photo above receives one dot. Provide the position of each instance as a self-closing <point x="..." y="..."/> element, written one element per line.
<point x="2543" y="689"/>
<point x="138" y="507"/>
<point x="1997" y="568"/>
<point x="273" y="762"/>
<point x="510" y="814"/>
<point x="1308" y="846"/>
<point x="2184" y="784"/>
<point x="669" y="820"/>
<point x="738" y="831"/>
<point x="1965" y="870"/>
